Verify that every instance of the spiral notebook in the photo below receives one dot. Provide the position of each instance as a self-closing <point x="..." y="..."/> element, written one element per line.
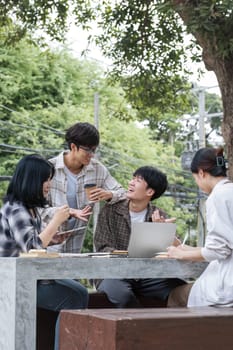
<point x="149" y="238"/>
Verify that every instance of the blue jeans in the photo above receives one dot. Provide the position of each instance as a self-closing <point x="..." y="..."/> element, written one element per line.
<point x="61" y="294"/>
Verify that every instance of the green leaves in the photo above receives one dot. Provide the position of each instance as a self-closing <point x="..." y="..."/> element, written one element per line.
<point x="44" y="92"/>
<point x="211" y="22"/>
<point x="144" y="40"/>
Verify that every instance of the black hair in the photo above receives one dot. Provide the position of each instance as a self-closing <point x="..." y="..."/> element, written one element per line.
<point x="26" y="185"/>
<point x="82" y="134"/>
<point x="154" y="178"/>
<point x="210" y="160"/>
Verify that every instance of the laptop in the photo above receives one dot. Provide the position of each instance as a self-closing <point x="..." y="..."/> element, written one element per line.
<point x="149" y="238"/>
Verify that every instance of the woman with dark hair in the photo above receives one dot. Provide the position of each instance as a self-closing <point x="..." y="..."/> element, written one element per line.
<point x="215" y="285"/>
<point x="20" y="229"/>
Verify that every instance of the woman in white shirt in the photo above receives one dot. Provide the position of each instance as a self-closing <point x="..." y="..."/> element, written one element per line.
<point x="215" y="285"/>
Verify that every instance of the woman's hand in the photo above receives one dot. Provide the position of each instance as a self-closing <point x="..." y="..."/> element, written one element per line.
<point x="60" y="238"/>
<point x="185" y="252"/>
<point x="61" y="214"/>
<point x="175" y="252"/>
<point x="81" y="214"/>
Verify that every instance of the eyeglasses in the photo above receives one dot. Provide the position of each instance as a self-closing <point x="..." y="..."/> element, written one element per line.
<point x="88" y="149"/>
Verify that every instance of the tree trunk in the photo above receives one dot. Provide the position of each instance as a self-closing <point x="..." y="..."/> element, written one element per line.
<point x="224" y="74"/>
<point x="223" y="70"/>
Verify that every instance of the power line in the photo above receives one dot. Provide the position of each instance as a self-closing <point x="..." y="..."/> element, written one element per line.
<point x="44" y="126"/>
<point x="28" y="149"/>
<point x="21" y="126"/>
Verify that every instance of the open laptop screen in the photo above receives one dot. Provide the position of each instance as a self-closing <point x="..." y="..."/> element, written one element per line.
<point x="149" y="238"/>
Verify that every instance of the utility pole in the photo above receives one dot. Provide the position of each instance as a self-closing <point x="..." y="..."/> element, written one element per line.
<point x="201" y="105"/>
<point x="96" y="207"/>
<point x="96" y="110"/>
<point x="187" y="156"/>
<point x="201" y="227"/>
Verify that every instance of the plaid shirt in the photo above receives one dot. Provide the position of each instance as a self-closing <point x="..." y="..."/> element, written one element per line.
<point x="114" y="226"/>
<point x="94" y="172"/>
<point x="19" y="231"/>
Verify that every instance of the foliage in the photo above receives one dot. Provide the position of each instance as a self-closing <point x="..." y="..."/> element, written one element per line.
<point x="209" y="21"/>
<point x="141" y="39"/>
<point x="144" y="39"/>
<point x="57" y="91"/>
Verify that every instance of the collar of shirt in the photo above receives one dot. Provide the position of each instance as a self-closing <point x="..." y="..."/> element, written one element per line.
<point x="59" y="164"/>
<point x="123" y="209"/>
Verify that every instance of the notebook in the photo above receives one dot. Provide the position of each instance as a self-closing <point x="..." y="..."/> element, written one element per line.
<point x="149" y="238"/>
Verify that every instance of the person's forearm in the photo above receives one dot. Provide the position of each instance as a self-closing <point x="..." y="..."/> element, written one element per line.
<point x="192" y="254"/>
<point x="184" y="253"/>
<point x="47" y="234"/>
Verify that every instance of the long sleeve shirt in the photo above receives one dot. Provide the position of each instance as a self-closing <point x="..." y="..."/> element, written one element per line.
<point x="95" y="172"/>
<point x="215" y="285"/>
<point x="19" y="231"/>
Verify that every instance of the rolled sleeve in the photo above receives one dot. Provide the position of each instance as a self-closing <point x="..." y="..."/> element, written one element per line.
<point x="110" y="184"/>
<point x="213" y="254"/>
<point x="219" y="240"/>
<point x="217" y="247"/>
<point x="118" y="195"/>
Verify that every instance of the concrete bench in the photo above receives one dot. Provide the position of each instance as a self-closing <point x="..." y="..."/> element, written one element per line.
<point x="46" y="319"/>
<point x="204" y="328"/>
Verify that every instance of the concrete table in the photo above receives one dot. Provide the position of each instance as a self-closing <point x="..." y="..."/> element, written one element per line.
<point x="18" y="282"/>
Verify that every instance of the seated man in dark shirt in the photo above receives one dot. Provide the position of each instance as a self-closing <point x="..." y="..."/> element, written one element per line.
<point x="113" y="233"/>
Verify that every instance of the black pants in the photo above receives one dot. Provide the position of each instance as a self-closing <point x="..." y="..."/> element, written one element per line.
<point x="123" y="292"/>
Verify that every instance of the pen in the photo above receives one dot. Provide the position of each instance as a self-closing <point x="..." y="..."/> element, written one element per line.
<point x="185" y="239"/>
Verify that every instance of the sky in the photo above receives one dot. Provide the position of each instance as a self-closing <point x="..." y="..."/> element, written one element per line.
<point x="77" y="41"/>
<point x="207" y="80"/>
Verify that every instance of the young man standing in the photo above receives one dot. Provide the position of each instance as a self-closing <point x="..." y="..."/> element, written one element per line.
<point x="74" y="169"/>
<point x="113" y="233"/>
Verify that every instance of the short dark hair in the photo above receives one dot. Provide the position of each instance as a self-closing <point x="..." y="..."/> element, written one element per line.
<point x="82" y="134"/>
<point x="154" y="178"/>
<point x="26" y="185"/>
<point x="210" y="160"/>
